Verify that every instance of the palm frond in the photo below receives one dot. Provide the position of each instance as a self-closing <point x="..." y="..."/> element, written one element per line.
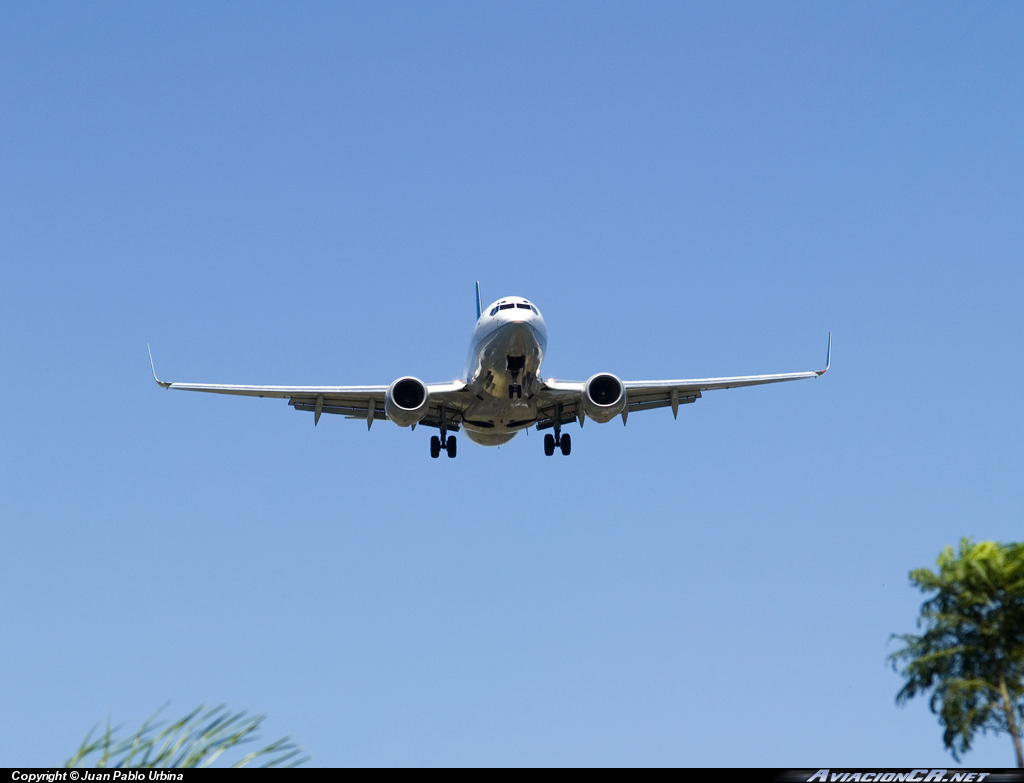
<point x="198" y="739"/>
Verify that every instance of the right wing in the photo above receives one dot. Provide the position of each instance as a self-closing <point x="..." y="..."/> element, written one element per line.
<point x="561" y="400"/>
<point x="353" y="402"/>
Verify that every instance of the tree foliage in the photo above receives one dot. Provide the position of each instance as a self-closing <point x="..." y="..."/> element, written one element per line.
<point x="970" y="655"/>
<point x="197" y="740"/>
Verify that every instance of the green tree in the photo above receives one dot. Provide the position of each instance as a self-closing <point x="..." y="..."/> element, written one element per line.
<point x="971" y="653"/>
<point x="196" y="740"/>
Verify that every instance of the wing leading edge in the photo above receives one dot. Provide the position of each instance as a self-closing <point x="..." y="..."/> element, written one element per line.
<point x="563" y="397"/>
<point x="353" y="402"/>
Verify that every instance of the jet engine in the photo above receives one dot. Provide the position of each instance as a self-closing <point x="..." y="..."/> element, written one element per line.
<point x="604" y="397"/>
<point x="406" y="401"/>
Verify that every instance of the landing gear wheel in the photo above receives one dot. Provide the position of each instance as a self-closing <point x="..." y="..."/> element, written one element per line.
<point x="519" y="392"/>
<point x="435" y="446"/>
<point x="566" y="445"/>
<point x="549" y="445"/>
<point x="450" y="447"/>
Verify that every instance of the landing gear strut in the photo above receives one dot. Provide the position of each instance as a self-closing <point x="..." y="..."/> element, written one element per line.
<point x="515" y="366"/>
<point x="446" y="442"/>
<point x="563" y="442"/>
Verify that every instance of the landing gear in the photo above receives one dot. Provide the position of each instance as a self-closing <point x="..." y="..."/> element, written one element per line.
<point x="558" y="440"/>
<point x="446" y="442"/>
<point x="515" y="366"/>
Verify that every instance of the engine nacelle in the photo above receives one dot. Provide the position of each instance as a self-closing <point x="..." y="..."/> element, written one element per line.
<point x="406" y="401"/>
<point x="604" y="397"/>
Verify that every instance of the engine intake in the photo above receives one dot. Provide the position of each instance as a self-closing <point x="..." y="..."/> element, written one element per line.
<point x="604" y="397"/>
<point x="406" y="401"/>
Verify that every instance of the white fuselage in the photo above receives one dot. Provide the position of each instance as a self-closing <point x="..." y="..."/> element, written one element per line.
<point x="506" y="351"/>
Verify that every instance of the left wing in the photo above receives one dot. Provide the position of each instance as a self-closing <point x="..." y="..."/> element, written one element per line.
<point x="353" y="402"/>
<point x="562" y="403"/>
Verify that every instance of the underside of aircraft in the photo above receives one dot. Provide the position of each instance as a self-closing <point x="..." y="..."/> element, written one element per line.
<point x="501" y="392"/>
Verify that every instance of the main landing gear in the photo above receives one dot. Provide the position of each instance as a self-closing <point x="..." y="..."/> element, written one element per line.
<point x="563" y="442"/>
<point x="446" y="442"/>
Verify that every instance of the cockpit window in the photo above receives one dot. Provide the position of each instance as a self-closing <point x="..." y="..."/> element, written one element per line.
<point x="522" y="306"/>
<point x="494" y="310"/>
<point x="506" y="307"/>
<point x="535" y="309"/>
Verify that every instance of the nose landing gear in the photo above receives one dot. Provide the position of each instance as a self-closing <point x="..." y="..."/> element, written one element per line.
<point x="515" y="366"/>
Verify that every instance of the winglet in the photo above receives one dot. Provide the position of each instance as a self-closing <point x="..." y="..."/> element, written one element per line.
<point x="479" y="304"/>
<point x="828" y="357"/>
<point x="165" y="384"/>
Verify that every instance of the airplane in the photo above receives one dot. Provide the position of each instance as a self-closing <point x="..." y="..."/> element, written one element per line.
<point x="501" y="392"/>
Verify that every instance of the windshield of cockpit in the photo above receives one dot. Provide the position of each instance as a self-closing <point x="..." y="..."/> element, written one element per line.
<point x="513" y="305"/>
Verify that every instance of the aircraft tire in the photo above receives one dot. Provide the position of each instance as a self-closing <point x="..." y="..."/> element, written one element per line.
<point x="435" y="446"/>
<point x="451" y="447"/>
<point x="566" y="445"/>
<point x="549" y="445"/>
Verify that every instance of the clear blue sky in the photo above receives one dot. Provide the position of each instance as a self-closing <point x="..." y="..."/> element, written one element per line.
<point x="305" y="194"/>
